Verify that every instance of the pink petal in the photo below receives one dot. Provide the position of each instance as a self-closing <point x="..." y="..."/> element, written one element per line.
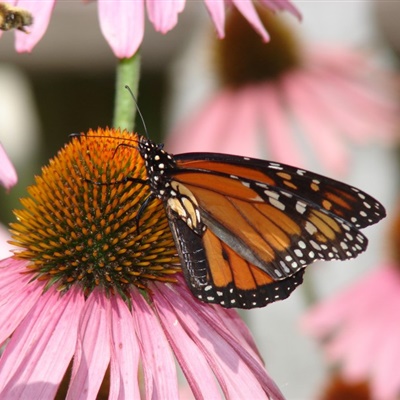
<point x="41" y="12"/>
<point x="331" y="152"/>
<point x="122" y="24"/>
<point x="92" y="355"/>
<point x="198" y="373"/>
<point x="40" y="350"/>
<point x="216" y="128"/>
<point x="386" y="382"/>
<point x="158" y="361"/>
<point x="362" y="333"/>
<point x="328" y="314"/>
<point x="17" y="295"/>
<point x="8" y="176"/>
<point x="280" y="140"/>
<point x="203" y="131"/>
<point x="247" y="354"/>
<point x="241" y="132"/>
<point x="362" y="99"/>
<point x="124" y="353"/>
<point x="164" y="14"/>
<point x="240" y="375"/>
<point x="339" y="57"/>
<point x="281" y="5"/>
<point x="246" y="7"/>
<point x="352" y="345"/>
<point x="239" y="330"/>
<point x="336" y="112"/>
<point x="216" y="9"/>
<point x="229" y="319"/>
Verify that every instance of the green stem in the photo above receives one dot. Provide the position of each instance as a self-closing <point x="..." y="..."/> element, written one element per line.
<point x="128" y="73"/>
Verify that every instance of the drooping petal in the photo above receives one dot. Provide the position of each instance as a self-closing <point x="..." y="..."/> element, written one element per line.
<point x="246" y="353"/>
<point x="216" y="9"/>
<point x="239" y="374"/>
<point x="280" y="5"/>
<point x="198" y="373"/>
<point x="122" y="24"/>
<point x="280" y="140"/>
<point x="328" y="314"/>
<point x="361" y="329"/>
<point x="360" y="98"/>
<point x="161" y="380"/>
<point x="17" y="295"/>
<point x="41" y="348"/>
<point x="41" y="12"/>
<point x="330" y="150"/>
<point x="8" y="175"/>
<point x="124" y="353"/>
<point x="387" y="375"/>
<point x="238" y="329"/>
<point x="246" y="7"/>
<point x="164" y="14"/>
<point x="217" y="128"/>
<point x="241" y="134"/>
<point x="204" y="131"/>
<point x="336" y="112"/>
<point x="92" y="355"/>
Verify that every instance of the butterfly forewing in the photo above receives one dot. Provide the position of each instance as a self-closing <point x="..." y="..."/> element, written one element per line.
<point x="347" y="202"/>
<point x="279" y="233"/>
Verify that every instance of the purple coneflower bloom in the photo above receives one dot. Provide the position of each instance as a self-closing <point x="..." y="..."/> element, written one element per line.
<point x="94" y="294"/>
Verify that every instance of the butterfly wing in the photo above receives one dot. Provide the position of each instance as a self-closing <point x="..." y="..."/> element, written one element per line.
<point x="264" y="220"/>
<point x="217" y="274"/>
<point x="345" y="201"/>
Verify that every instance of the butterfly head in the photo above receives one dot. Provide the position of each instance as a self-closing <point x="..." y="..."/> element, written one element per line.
<point x="157" y="162"/>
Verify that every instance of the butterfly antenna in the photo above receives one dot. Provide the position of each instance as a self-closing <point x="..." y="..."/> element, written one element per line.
<point x="138" y="110"/>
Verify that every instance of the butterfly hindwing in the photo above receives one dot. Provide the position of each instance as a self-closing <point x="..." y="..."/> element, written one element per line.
<point x="216" y="274"/>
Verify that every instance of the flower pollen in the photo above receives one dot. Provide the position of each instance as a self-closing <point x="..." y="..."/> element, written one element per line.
<point x="243" y="58"/>
<point x="84" y="223"/>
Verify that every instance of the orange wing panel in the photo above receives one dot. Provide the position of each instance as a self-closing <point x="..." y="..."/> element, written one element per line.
<point x="226" y="266"/>
<point x="227" y="186"/>
<point x="224" y="211"/>
<point x="219" y="267"/>
<point x="231" y="169"/>
<point x="270" y="231"/>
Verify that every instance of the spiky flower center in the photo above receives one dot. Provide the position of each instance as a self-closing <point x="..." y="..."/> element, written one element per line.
<point x="82" y="224"/>
<point x="243" y="58"/>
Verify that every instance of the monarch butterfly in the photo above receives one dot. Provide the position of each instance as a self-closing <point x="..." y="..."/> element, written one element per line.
<point x="245" y="229"/>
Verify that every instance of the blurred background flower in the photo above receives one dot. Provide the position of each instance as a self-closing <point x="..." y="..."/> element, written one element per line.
<point x="277" y="99"/>
<point x="359" y="328"/>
